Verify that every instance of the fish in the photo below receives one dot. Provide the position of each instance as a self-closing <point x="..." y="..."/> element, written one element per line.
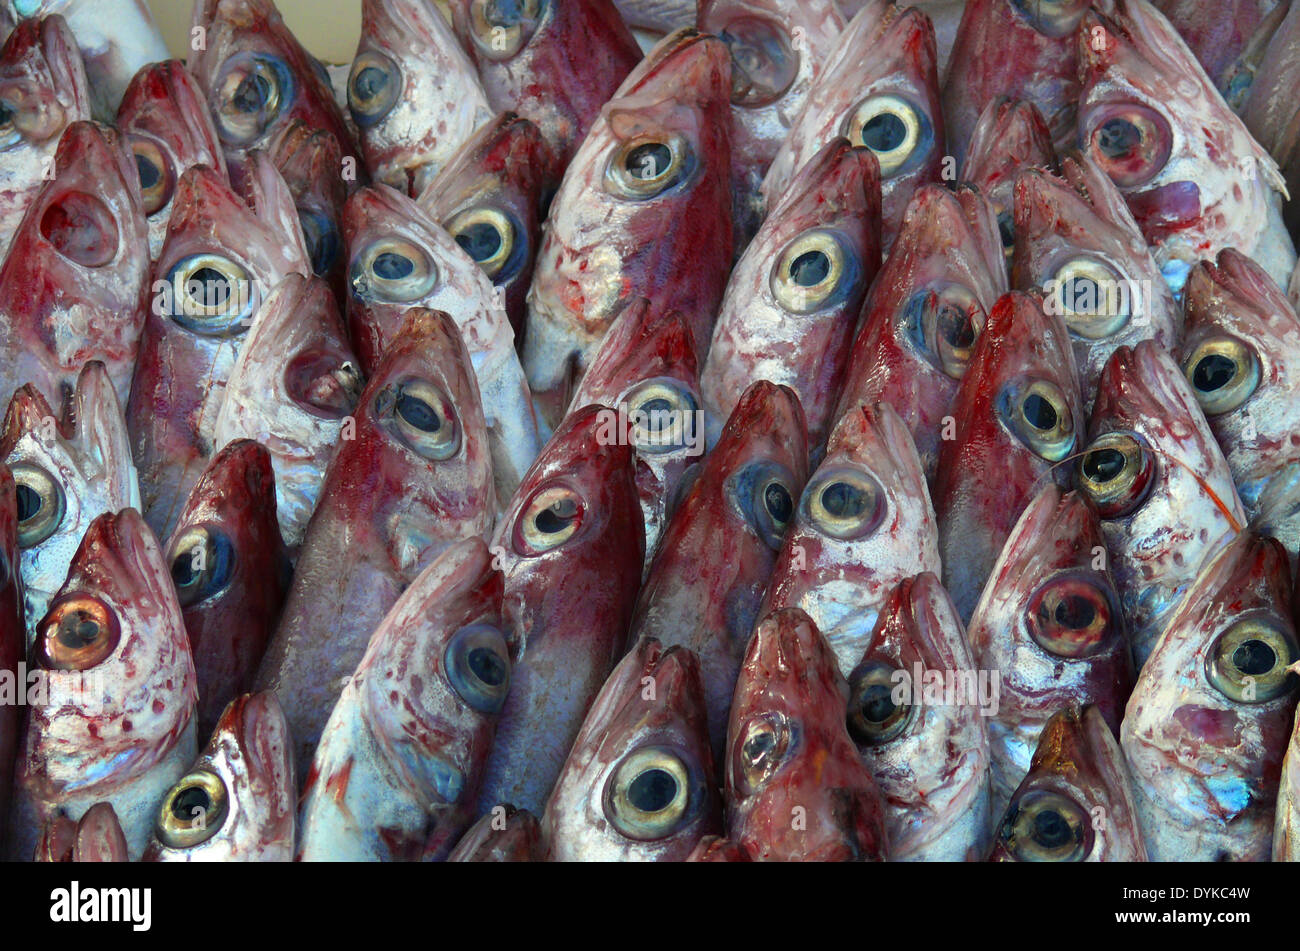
<point x="638" y="785"/>
<point x="571" y="547"/>
<point x="718" y="548"/>
<point x="293" y="388"/>
<point x="1021" y="49"/>
<point x="657" y="16"/>
<point x="648" y="369"/>
<point x="928" y="749"/>
<point x="1221" y="37"/>
<point x="13" y="643"/>
<point x="924" y="313"/>
<point x="236" y="803"/>
<point x="1076" y="802"/>
<point x="69" y="470"/>
<point x="863" y="524"/>
<point x="1286" y="818"/>
<point x="1076" y="239"/>
<point x="1158" y="480"/>
<point x="528" y="60"/>
<point x="488" y="197"/>
<point x="231" y="572"/>
<point x="714" y="848"/>
<point x="1241" y="332"/>
<point x="118" y="723"/>
<point x="1151" y="119"/>
<point x="413" y="92"/>
<point x="164" y="117"/>
<point x="879" y="88"/>
<point x="1271" y="111"/>
<point x="96" y="837"/>
<point x="43" y="90"/>
<point x="413" y="477"/>
<point x="794" y="296"/>
<point x="1206" y="728"/>
<point x="306" y="159"/>
<point x="398" y="258"/>
<point x="1049" y="622"/>
<point x="1016" y="417"/>
<point x="399" y="762"/>
<point x="797" y="790"/>
<point x="220" y="260"/>
<point x="74" y="286"/>
<point x="644" y="211"/>
<point x="257" y="78"/>
<point x="505" y="834"/>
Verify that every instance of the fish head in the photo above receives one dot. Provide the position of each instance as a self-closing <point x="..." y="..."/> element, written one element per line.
<point x="504" y="834"/>
<point x="95" y="837"/>
<point x="309" y="160"/>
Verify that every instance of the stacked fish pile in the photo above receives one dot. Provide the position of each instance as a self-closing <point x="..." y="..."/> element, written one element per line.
<point x="622" y="430"/>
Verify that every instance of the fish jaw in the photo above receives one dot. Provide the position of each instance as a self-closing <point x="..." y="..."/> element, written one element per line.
<point x="505" y="834"/>
<point x="1010" y="135"/>
<point x="308" y="160"/>
<point x="1206" y="765"/>
<point x="96" y="837"/>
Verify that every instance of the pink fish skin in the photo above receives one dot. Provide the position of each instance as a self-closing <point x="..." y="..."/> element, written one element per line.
<point x="1018" y="415"/>
<point x="1159" y="481"/>
<point x="73" y="287"/>
<point x="43" y="89"/>
<point x="797" y="789"/>
<point x="1076" y="802"/>
<point x="415" y="477"/>
<point x="571" y="547"/>
<point x="231" y="573"/>
<point x="505" y="834"/>
<point x="1238" y="322"/>
<point x="714" y="848"/>
<point x="96" y="837"/>
<point x="644" y="211"/>
<point x="307" y="159"/>
<point x="794" y="296"/>
<point x="924" y="313"/>
<point x="1218" y="35"/>
<point x="556" y="64"/>
<point x="638" y="785"/>
<point x="1019" y="49"/>
<point x="716" y="554"/>
<point x="648" y="363"/>
<point x="879" y="88"/>
<point x="930" y="760"/>
<point x="1207" y="725"/>
<point x="489" y="198"/>
<point x="1049" y="621"/>
<point x="236" y="803"/>
<point x="165" y="120"/>
<point x="118" y="722"/>
<point x="13" y="642"/>
<point x="863" y="524"/>
<point x="398" y="766"/>
<point x="1152" y="120"/>
<point x="1076" y="239"/>
<point x="219" y="262"/>
<point x="1271" y="111"/>
<point x="257" y="78"/>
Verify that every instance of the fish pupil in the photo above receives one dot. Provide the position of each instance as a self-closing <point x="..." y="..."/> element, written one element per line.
<point x="653" y="790"/>
<point x="1051" y="830"/>
<point x="487" y="666"/>
<point x="884" y="133"/>
<point x="150" y="175"/>
<point x="183" y="573"/>
<point x="1254" y="658"/>
<point x="956" y="326"/>
<point x="777" y="500"/>
<point x="1039" y="412"/>
<point x="1118" y="139"/>
<point x="647" y="162"/>
<point x="391" y="266"/>
<point x="253" y="93"/>
<point x="209" y="287"/>
<point x="322" y="240"/>
<point x="191" y="803"/>
<point x="757" y="747"/>
<point x="505" y="12"/>
<point x="656" y="412"/>
<point x="480" y="240"/>
<point x="1081" y="295"/>
<point x="369" y="83"/>
<point x="1213" y="372"/>
<point x="842" y="500"/>
<point x="29" y="503"/>
<point x="877" y="703"/>
<point x="810" y="268"/>
<point x="556" y="518"/>
<point x="1075" y="612"/>
<point x="418" y="413"/>
<point x="77" y="631"/>
<point x="1103" y="465"/>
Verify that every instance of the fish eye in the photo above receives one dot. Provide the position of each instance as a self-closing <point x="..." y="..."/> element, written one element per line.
<point x="765" y="745"/>
<point x="321" y="235"/>
<point x="1043" y="826"/>
<point x="157" y="178"/>
<point x="1248" y="662"/>
<point x="1071" y="617"/>
<point x="422" y="417"/>
<point x="1054" y="18"/>
<point x="551" y="518"/>
<point x="814" y="271"/>
<point x="650" y="794"/>
<point x="41" y="504"/>
<point x="1092" y="297"/>
<point x="845" y="502"/>
<point x="202" y="566"/>
<point x="943" y="324"/>
<point x="1224" y="373"/>
<point x="762" y="493"/>
<point x="393" y="270"/>
<point x="1037" y="413"/>
<point x="212" y="295"/>
<point x="193" y="810"/>
<point x="374" y="86"/>
<point x="9" y="134"/>
<point x="1116" y="473"/>
<point x="80" y="228"/>
<point x="663" y="416"/>
<point x="895" y="130"/>
<point x="763" y="62"/>
<point x="79" y="632"/>
<point x="252" y="90"/>
<point x="501" y="28"/>
<point x="1131" y="143"/>
<point x="477" y="662"/>
<point x="648" y="166"/>
<point x="875" y="716"/>
<point x="487" y="235"/>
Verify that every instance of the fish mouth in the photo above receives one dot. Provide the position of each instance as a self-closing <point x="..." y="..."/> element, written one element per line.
<point x="695" y="60"/>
